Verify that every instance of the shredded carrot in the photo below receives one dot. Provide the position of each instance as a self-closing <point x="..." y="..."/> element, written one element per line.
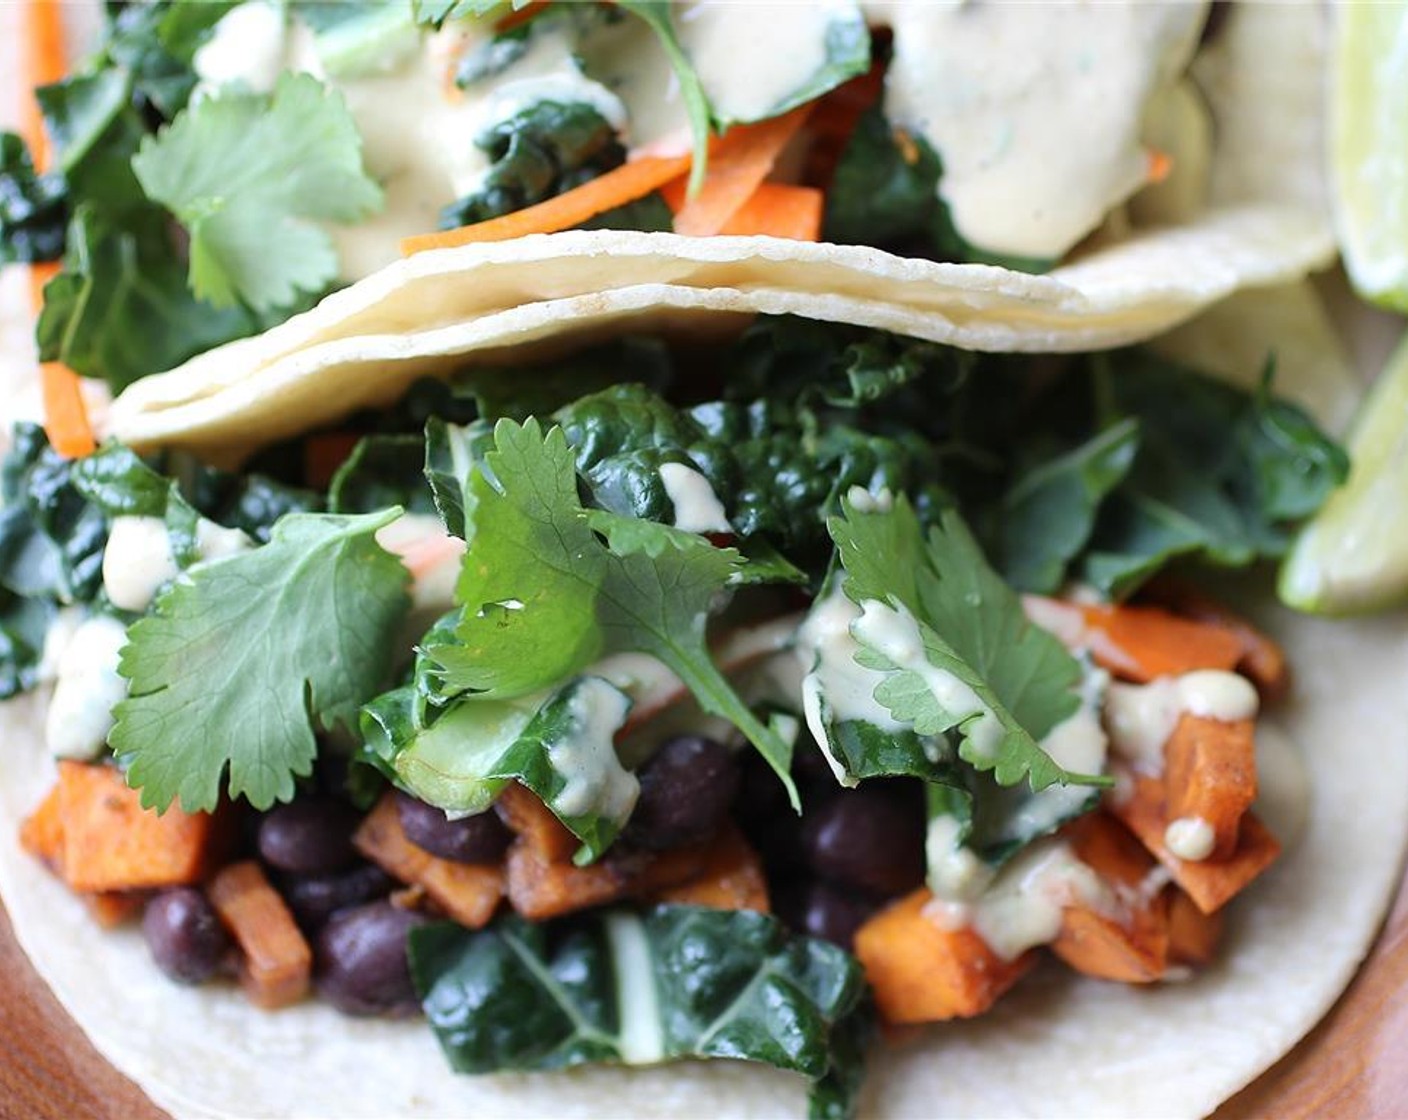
<point x="1160" y="166"/>
<point x="519" y="16"/>
<point x="780" y="210"/>
<point x="738" y="164"/>
<point x="65" y="413"/>
<point x="624" y="184"/>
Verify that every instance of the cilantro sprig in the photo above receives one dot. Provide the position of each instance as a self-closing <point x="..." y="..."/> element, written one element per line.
<point x="548" y="586"/>
<point x="250" y="176"/>
<point x="243" y="654"/>
<point x="970" y="624"/>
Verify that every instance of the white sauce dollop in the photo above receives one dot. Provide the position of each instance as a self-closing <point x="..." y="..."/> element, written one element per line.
<point x="137" y="561"/>
<point x="596" y="782"/>
<point x="697" y="507"/>
<point x="80" y="711"/>
<point x="249" y="46"/>
<point x="1036" y="110"/>
<point x="1190" y="838"/>
<point x="1141" y="717"/>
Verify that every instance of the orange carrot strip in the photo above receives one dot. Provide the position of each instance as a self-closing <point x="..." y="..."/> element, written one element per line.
<point x="278" y="963"/>
<point x="1141" y="643"/>
<point x="111" y="843"/>
<point x="47" y="61"/>
<point x="1209" y="883"/>
<point x="924" y="973"/>
<point x="780" y="210"/>
<point x="1129" y="946"/>
<point x="1160" y="166"/>
<point x="738" y="164"/>
<point x="468" y="892"/>
<point x="626" y="183"/>
<point x="1210" y="774"/>
<point x="65" y="413"/>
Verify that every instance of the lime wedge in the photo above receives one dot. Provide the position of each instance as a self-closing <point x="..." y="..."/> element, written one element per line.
<point x="1369" y="147"/>
<point x="1353" y="555"/>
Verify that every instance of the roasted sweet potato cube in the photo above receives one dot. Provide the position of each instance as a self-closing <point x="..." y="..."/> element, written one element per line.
<point x="524" y="813"/>
<point x="111" y="843"/>
<point x="1210" y="774"/>
<point x="732" y="878"/>
<point x="42" y="833"/>
<point x="1142" y="643"/>
<point x="276" y="962"/>
<point x="1210" y="883"/>
<point x="540" y="888"/>
<point x="111" y="909"/>
<point x="1263" y="660"/>
<point x="922" y="973"/>
<point x="1124" y="935"/>
<point x="1192" y="935"/>
<point x="467" y="892"/>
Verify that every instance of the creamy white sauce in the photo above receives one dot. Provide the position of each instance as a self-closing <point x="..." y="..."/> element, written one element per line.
<point x="895" y="635"/>
<point x="863" y="501"/>
<point x="138" y="562"/>
<point x="1141" y="717"/>
<point x="752" y="58"/>
<point x="1190" y="838"/>
<point x="1078" y="744"/>
<point x="1023" y="906"/>
<point x="1035" y="109"/>
<point x="80" y="710"/>
<point x="249" y="47"/>
<point x="697" y="507"/>
<point x="954" y="872"/>
<point x="641" y="1034"/>
<point x="595" y="780"/>
<point x="62" y="628"/>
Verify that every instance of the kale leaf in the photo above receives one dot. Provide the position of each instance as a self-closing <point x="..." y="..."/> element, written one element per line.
<point x="616" y="987"/>
<point x="33" y="208"/>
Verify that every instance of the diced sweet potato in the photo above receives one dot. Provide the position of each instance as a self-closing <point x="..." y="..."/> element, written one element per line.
<point x="1262" y="660"/>
<point x="1210" y="883"/>
<point x="276" y="964"/>
<point x="524" y="812"/>
<point x="539" y="888"/>
<point x="468" y="892"/>
<point x="111" y="909"/>
<point x="1210" y="773"/>
<point x="1142" y="643"/>
<point x="42" y="833"/>
<point x="1127" y="938"/>
<point x="732" y="878"/>
<point x="1192" y="935"/>
<point x="110" y="843"/>
<point x="923" y="973"/>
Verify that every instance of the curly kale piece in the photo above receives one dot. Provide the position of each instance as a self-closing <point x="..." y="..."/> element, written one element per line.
<point x="33" y="207"/>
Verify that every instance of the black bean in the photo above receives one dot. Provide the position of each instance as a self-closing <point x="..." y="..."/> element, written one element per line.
<point x="316" y="898"/>
<point x="361" y="960"/>
<point x="821" y="909"/>
<point x="309" y="837"/>
<point x="762" y="811"/>
<point x="481" y="838"/>
<point x="686" y="787"/>
<point x="184" y="935"/>
<point x="868" y="839"/>
<point x="811" y="770"/>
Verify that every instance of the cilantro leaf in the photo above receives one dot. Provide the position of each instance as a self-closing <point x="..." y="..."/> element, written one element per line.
<point x="971" y="662"/>
<point x="543" y="596"/>
<point x="656" y="13"/>
<point x="244" y="652"/>
<point x="250" y="176"/>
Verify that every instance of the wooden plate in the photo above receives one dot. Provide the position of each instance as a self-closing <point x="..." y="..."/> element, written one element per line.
<point x="1351" y="1065"/>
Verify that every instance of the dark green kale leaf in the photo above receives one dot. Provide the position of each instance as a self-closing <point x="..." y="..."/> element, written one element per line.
<point x="539" y="152"/>
<point x="1220" y="474"/>
<point x="615" y="987"/>
<point x="51" y="536"/>
<point x="156" y="45"/>
<point x="648" y="214"/>
<point x="33" y="208"/>
<point x="382" y="471"/>
<point x="23" y="626"/>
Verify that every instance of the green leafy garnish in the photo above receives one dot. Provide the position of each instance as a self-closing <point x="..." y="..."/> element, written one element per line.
<point x="239" y="657"/>
<point x="657" y="15"/>
<point x="615" y="987"/>
<point x="460" y="757"/>
<point x="1014" y="681"/>
<point x="250" y="176"/>
<point x="543" y="595"/>
<point x="33" y="208"/>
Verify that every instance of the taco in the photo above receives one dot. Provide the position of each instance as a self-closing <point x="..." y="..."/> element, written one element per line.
<point x="689" y="465"/>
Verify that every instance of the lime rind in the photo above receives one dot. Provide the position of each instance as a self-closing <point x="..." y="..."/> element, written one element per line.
<point x="1352" y="557"/>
